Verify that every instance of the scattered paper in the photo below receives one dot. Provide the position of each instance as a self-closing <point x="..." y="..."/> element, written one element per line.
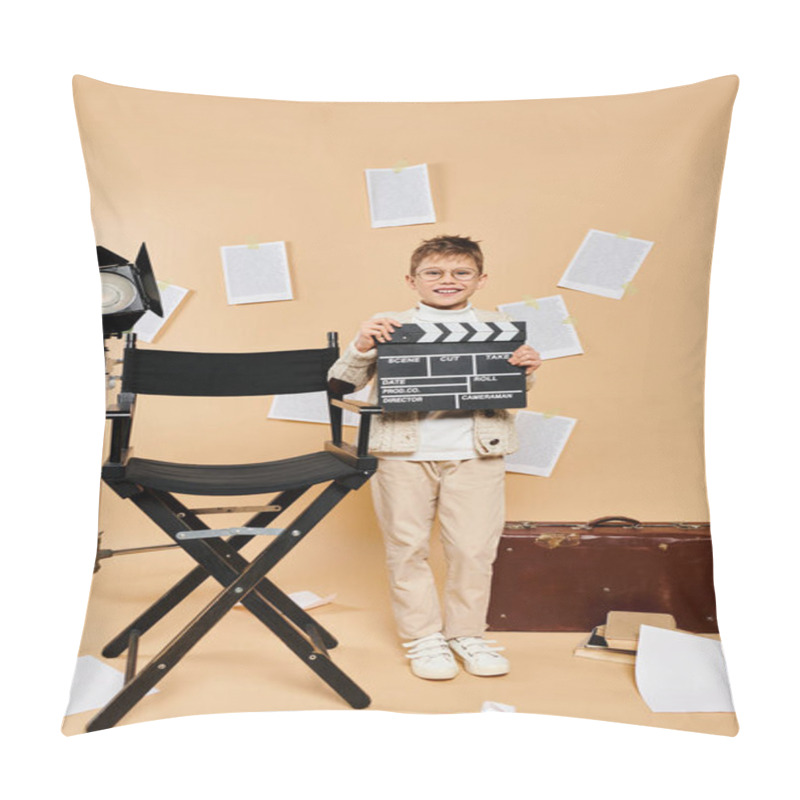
<point x="542" y="437"/>
<point x="680" y="672"/>
<point x="312" y="407"/>
<point x="93" y="685"/>
<point x="150" y="324"/>
<point x="400" y="196"/>
<point x="605" y="264"/>
<point x="306" y="599"/>
<point x="491" y="705"/>
<point x="550" y="329"/>
<point x="256" y="273"/>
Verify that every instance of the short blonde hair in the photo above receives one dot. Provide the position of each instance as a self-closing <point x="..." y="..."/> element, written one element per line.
<point x="450" y="246"/>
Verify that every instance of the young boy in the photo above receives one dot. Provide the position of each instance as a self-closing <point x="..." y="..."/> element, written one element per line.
<point x="445" y="461"/>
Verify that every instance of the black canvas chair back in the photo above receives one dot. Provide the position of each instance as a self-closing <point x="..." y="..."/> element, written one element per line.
<point x="152" y="486"/>
<point x="181" y="374"/>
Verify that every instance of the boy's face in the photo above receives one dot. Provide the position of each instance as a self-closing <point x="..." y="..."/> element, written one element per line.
<point x="446" y="282"/>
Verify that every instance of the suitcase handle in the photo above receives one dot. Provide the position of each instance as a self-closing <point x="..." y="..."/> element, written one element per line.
<point x="602" y="520"/>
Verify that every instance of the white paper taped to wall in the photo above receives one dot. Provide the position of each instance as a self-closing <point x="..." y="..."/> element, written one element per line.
<point x="312" y="407"/>
<point x="550" y="329"/>
<point x="542" y="438"/>
<point x="399" y="197"/>
<point x="605" y="264"/>
<point x="150" y="324"/>
<point x="256" y="273"/>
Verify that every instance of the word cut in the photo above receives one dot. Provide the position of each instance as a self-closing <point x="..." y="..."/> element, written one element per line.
<point x="438" y="366"/>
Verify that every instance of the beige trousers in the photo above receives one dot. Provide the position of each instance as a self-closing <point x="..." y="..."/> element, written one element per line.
<point x="470" y="498"/>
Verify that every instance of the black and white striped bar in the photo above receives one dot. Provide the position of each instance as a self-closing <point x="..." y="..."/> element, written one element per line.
<point x="437" y="366"/>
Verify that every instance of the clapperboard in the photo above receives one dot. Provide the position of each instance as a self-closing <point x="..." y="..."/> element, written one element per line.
<point x="433" y="366"/>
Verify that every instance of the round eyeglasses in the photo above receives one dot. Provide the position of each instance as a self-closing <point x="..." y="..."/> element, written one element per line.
<point x="431" y="274"/>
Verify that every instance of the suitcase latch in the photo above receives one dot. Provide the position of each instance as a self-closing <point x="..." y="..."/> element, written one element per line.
<point x="552" y="540"/>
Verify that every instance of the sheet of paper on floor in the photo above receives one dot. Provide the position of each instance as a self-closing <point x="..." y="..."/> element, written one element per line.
<point x="605" y="264"/>
<point x="93" y="685"/>
<point x="399" y="196"/>
<point x="491" y="705"/>
<point x="550" y="329"/>
<point x="306" y="599"/>
<point x="150" y="324"/>
<point x="681" y="673"/>
<point x="256" y="273"/>
<point x="542" y="438"/>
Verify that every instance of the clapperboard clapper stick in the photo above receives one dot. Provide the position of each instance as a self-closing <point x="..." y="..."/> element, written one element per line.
<point x="435" y="366"/>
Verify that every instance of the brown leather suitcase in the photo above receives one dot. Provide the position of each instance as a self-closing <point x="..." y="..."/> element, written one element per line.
<point x="566" y="576"/>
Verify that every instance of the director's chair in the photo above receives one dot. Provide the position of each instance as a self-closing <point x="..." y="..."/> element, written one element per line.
<point x="151" y="485"/>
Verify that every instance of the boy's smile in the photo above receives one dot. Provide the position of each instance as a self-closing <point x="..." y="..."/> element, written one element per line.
<point x="451" y="291"/>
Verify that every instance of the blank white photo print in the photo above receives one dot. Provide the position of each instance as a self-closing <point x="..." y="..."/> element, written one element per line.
<point x="313" y="407"/>
<point x="550" y="328"/>
<point x="400" y="196"/>
<point x="150" y="324"/>
<point x="605" y="264"/>
<point x="256" y="273"/>
<point x="542" y="438"/>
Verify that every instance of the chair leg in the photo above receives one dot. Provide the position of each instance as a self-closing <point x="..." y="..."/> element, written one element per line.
<point x="267" y="590"/>
<point x="243" y="583"/>
<point x="277" y="599"/>
<point x="153" y="503"/>
<point x="181" y="590"/>
<point x="150" y="675"/>
<point x="135" y="689"/>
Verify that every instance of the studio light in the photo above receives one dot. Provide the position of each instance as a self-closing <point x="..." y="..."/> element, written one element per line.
<point x="129" y="289"/>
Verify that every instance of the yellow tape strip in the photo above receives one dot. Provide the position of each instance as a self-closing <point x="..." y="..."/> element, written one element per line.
<point x="400" y="165"/>
<point x="530" y="301"/>
<point x="629" y="288"/>
<point x="570" y="320"/>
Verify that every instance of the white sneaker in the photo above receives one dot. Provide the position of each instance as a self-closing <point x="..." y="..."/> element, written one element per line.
<point x="431" y="658"/>
<point x="478" y="657"/>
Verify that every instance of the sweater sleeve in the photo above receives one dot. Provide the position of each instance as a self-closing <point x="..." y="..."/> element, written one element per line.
<point x="354" y="366"/>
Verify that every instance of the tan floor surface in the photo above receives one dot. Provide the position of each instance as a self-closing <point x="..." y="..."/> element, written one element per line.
<point x="242" y="666"/>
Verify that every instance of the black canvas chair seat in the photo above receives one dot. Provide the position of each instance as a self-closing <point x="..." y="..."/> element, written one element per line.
<point x="238" y="479"/>
<point x="152" y="485"/>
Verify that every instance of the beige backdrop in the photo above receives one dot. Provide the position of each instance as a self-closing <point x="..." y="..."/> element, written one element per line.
<point x="189" y="174"/>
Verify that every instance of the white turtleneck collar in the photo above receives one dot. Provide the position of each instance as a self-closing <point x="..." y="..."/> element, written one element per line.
<point x="431" y="314"/>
